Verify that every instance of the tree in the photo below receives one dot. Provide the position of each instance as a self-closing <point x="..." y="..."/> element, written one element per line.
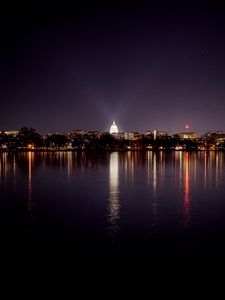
<point x="56" y="140"/>
<point x="107" y="141"/>
<point x="29" y="136"/>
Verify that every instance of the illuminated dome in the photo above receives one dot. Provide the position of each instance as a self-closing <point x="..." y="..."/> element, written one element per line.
<point x="113" y="128"/>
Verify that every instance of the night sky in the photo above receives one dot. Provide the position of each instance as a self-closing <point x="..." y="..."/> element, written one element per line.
<point x="84" y="65"/>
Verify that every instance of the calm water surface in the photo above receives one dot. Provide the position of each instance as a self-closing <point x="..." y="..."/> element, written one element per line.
<point x="66" y="205"/>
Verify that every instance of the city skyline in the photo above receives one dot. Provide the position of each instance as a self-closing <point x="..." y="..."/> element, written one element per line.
<point x="147" y="66"/>
<point x="113" y="128"/>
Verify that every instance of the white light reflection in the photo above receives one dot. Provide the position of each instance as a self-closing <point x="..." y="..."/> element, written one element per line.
<point x="217" y="170"/>
<point x="69" y="165"/>
<point x="205" y="169"/>
<point x="149" y="168"/>
<point x="162" y="167"/>
<point x="114" y="206"/>
<point x="4" y="169"/>
<point x="154" y="185"/>
<point x="154" y="181"/>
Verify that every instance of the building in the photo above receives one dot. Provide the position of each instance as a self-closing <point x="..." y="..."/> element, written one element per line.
<point x="13" y="133"/>
<point x="79" y="133"/>
<point x="132" y="136"/>
<point x="218" y="136"/>
<point x="188" y="135"/>
<point x="114" y="128"/>
<point x="156" y="134"/>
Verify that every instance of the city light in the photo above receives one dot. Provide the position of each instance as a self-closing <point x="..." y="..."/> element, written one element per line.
<point x="113" y="128"/>
<point x="30" y="146"/>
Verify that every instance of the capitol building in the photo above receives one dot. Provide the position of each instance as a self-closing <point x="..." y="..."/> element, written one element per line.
<point x="113" y="128"/>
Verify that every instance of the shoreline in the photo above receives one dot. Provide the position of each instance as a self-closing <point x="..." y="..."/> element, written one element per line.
<point x="108" y="150"/>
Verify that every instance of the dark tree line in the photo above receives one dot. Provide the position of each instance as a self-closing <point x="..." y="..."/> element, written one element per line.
<point x="29" y="138"/>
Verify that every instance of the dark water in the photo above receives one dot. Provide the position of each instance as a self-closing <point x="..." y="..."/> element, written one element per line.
<point x="68" y="206"/>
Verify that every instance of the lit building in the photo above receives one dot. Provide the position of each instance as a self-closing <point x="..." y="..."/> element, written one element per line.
<point x="83" y="133"/>
<point x="14" y="133"/>
<point x="132" y="136"/>
<point x="188" y="135"/>
<point x="156" y="134"/>
<point x="218" y="136"/>
<point x="113" y="128"/>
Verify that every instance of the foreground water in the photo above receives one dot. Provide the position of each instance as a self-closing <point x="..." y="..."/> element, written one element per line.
<point x="64" y="205"/>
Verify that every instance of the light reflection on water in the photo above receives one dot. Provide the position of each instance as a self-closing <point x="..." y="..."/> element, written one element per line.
<point x="114" y="205"/>
<point x="30" y="161"/>
<point x="122" y="194"/>
<point x="187" y="189"/>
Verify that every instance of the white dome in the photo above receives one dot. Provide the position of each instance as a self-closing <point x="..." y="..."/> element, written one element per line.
<point x="114" y="128"/>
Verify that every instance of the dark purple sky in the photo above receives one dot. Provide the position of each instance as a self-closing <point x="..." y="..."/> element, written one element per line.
<point x="83" y="66"/>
